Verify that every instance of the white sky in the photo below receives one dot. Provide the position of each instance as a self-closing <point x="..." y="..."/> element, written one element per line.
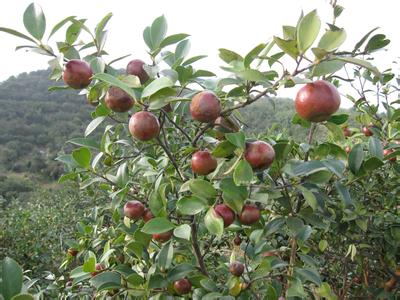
<point x="212" y="24"/>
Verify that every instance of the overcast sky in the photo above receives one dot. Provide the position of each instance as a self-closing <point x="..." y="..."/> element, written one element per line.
<point x="212" y="24"/>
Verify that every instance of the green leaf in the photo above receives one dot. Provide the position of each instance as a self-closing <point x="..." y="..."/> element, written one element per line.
<point x="375" y="147"/>
<point x="34" y="20"/>
<point x="11" y="282"/>
<point x="344" y="194"/>
<point x="309" y="274"/>
<point x="102" y="24"/>
<point x="233" y="195"/>
<point x="23" y="297"/>
<point x="237" y="139"/>
<point x="335" y="130"/>
<point x="223" y="149"/>
<point x="361" y="63"/>
<point x="158" y="31"/>
<point x="377" y="42"/>
<point x="86" y="142"/>
<point x="191" y="205"/>
<point x="339" y="119"/>
<point x="147" y="37"/>
<point x="243" y="173"/>
<point x="274" y="225"/>
<point x="309" y="197"/>
<point x="164" y="258"/>
<point x="295" y="289"/>
<point x="229" y="56"/>
<point x="202" y="188"/>
<point x="82" y="157"/>
<point x="180" y="271"/>
<point x="289" y="32"/>
<point x="182" y="49"/>
<point x="252" y="75"/>
<point x="327" y="67"/>
<point x="289" y="47"/>
<point x="157" y="225"/>
<point x="106" y="281"/>
<point x="183" y="231"/>
<point x="16" y="33"/>
<point x="89" y="264"/>
<point x="307" y="31"/>
<point x="156" y="85"/>
<point x="331" y="40"/>
<point x="93" y="125"/>
<point x="356" y="158"/>
<point x="253" y="55"/>
<point x="371" y="164"/>
<point x="73" y="32"/>
<point x="193" y="59"/>
<point x="326" y="292"/>
<point x="213" y="222"/>
<point x="118" y="83"/>
<point x="173" y="39"/>
<point x="59" y="25"/>
<point x="322" y="245"/>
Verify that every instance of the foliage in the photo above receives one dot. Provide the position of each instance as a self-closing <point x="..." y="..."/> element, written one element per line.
<point x="329" y="225"/>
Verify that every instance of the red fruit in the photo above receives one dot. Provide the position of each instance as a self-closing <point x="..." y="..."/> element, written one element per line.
<point x="259" y="155"/>
<point x="118" y="100"/>
<point x="237" y="240"/>
<point x="250" y="214"/>
<point x="162" y="237"/>
<point x="225" y="213"/>
<point x="236" y="268"/>
<point x="77" y="74"/>
<point x="135" y="67"/>
<point x="366" y="130"/>
<point x="99" y="268"/>
<point x="203" y="163"/>
<point x="73" y="252"/>
<point x="148" y="215"/>
<point x="144" y="126"/>
<point x="387" y="152"/>
<point x="347" y="132"/>
<point x="347" y="149"/>
<point x="205" y="107"/>
<point x="182" y="286"/>
<point x="133" y="209"/>
<point x="317" y="101"/>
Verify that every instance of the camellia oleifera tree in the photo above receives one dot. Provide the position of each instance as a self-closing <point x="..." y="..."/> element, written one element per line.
<point x="200" y="211"/>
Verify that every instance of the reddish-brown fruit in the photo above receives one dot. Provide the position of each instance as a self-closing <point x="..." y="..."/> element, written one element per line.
<point x="135" y="67"/>
<point x="148" y="215"/>
<point x="182" y="286"/>
<point x="259" y="155"/>
<point x="99" y="268"/>
<point x="237" y="240"/>
<point x="347" y="132"/>
<point x="68" y="283"/>
<point x="162" y="237"/>
<point x="205" y="107"/>
<point x="118" y="100"/>
<point x="317" y="101"/>
<point x="236" y="268"/>
<point x="77" y="74"/>
<point x="203" y="163"/>
<point x="387" y="152"/>
<point x="133" y="209"/>
<point x="347" y="149"/>
<point x="225" y="213"/>
<point x="73" y="252"/>
<point x="250" y="214"/>
<point x="367" y="131"/>
<point x="144" y="126"/>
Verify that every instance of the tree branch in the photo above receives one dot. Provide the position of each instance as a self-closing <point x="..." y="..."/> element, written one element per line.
<point x="196" y="248"/>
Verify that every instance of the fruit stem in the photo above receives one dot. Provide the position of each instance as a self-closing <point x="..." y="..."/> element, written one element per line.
<point x="310" y="136"/>
<point x="171" y="158"/>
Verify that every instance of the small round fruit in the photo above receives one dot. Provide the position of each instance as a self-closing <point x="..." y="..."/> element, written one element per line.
<point x="77" y="74"/>
<point x="148" y="215"/>
<point x="347" y="149"/>
<point x="259" y="155"/>
<point x="317" y="101"/>
<point x="205" y="107"/>
<point x="203" y="163"/>
<point x="347" y="132"/>
<point x="250" y="214"/>
<point x="387" y="152"/>
<point x="225" y="213"/>
<point x="133" y="209"/>
<point x="99" y="268"/>
<point x="236" y="268"/>
<point x="162" y="237"/>
<point x="237" y="240"/>
<point x="135" y="67"/>
<point x="144" y="126"/>
<point x="182" y="286"/>
<point x="73" y="252"/>
<point x="367" y="131"/>
<point x="118" y="100"/>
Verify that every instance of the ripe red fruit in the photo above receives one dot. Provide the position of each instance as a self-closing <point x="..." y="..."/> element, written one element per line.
<point x="182" y="286"/>
<point x="144" y="126"/>
<point x="162" y="237"/>
<point x="347" y="149"/>
<point x="259" y="155"/>
<point x="347" y="132"/>
<point x="366" y="130"/>
<point x="148" y="215"/>
<point x="205" y="107"/>
<point x="73" y="252"/>
<point x="250" y="214"/>
<point x="135" y="67"/>
<point x="317" y="101"/>
<point x="133" y="209"/>
<point x="99" y="268"/>
<point x="203" y="163"/>
<point x="237" y="240"/>
<point x="77" y="74"/>
<point x="225" y="213"/>
<point x="387" y="152"/>
<point x="118" y="100"/>
<point x="236" y="268"/>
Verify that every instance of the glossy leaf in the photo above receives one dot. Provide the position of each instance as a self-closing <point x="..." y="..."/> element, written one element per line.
<point x="11" y="281"/>
<point x="243" y="173"/>
<point x="307" y="31"/>
<point x="35" y="21"/>
<point x="202" y="188"/>
<point x="213" y="222"/>
<point x="156" y="85"/>
<point x="331" y="40"/>
<point x="82" y="157"/>
<point x="356" y="158"/>
<point x="183" y="231"/>
<point x="157" y="225"/>
<point x="191" y="205"/>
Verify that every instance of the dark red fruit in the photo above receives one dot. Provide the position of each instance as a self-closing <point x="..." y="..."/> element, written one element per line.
<point x="133" y="209"/>
<point x="203" y="163"/>
<point x="367" y="131"/>
<point x="347" y="149"/>
<point x="77" y="74"/>
<point x="347" y="132"/>
<point x="135" y="67"/>
<point x="205" y="107"/>
<point x="162" y="237"/>
<point x="99" y="268"/>
<point x="236" y="268"/>
<point x="182" y="286"/>
<point x="225" y="213"/>
<point x="73" y="252"/>
<point x="387" y="152"/>
<point x="250" y="214"/>
<point x="148" y="215"/>
<point x="259" y="155"/>
<point x="317" y="101"/>
<point x="237" y="240"/>
<point x="144" y="126"/>
<point x="118" y="100"/>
